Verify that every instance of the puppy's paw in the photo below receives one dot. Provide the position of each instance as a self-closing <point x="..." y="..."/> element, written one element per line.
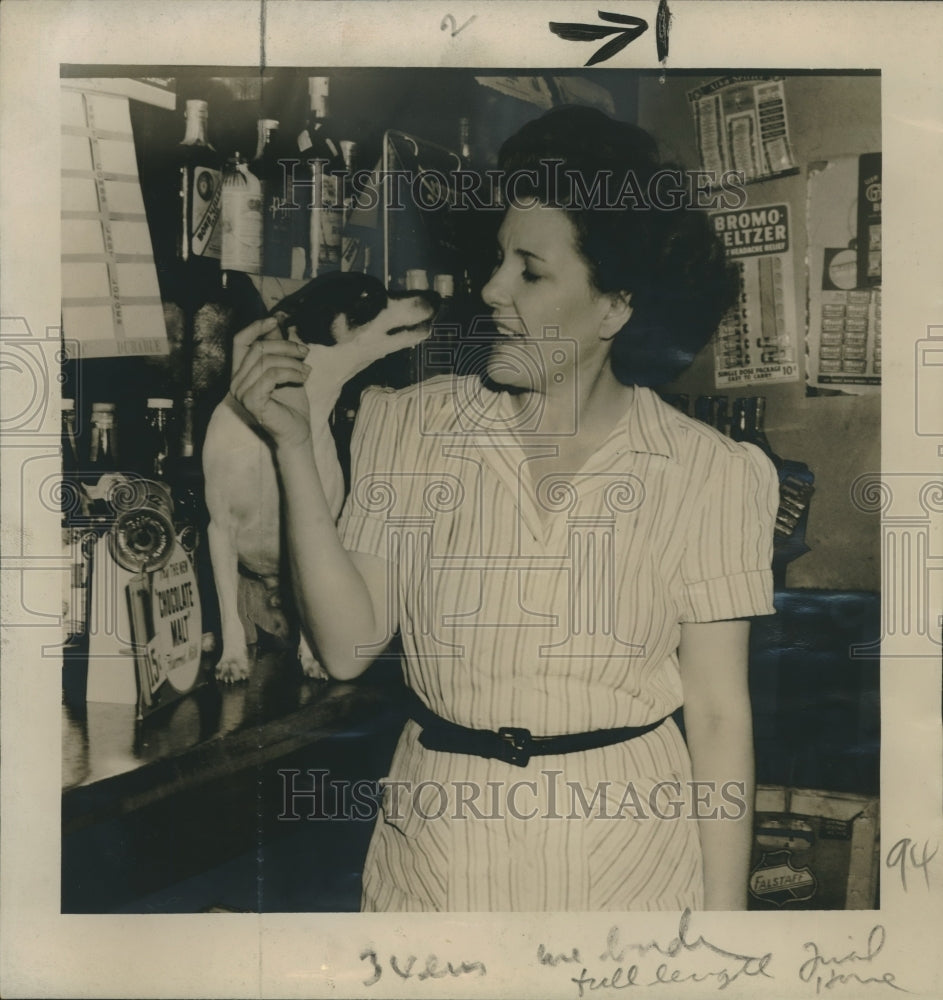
<point x="310" y="663"/>
<point x="233" y="666"/>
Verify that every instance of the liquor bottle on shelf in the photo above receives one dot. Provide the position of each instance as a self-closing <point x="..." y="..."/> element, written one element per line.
<point x="446" y="329"/>
<point x="361" y="240"/>
<point x="98" y="477"/>
<point x="241" y="219"/>
<point x="75" y="524"/>
<point x="679" y="400"/>
<point x="158" y="418"/>
<point x="738" y="420"/>
<point x="796" y="484"/>
<point x="747" y="424"/>
<point x="186" y="425"/>
<point x="464" y="137"/>
<point x="324" y="201"/>
<point x="103" y="444"/>
<point x="199" y="233"/>
<point x="277" y="235"/>
<point x="355" y="249"/>
<point x="444" y="287"/>
<point x="416" y="280"/>
<point x="712" y="410"/>
<point x="446" y="323"/>
<point x="170" y="461"/>
<point x="758" y="428"/>
<point x="186" y="480"/>
<point x="68" y="440"/>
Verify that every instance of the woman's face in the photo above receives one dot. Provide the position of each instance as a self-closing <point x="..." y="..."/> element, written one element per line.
<point x="541" y="293"/>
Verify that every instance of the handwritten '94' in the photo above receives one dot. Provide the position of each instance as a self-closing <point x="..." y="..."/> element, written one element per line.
<point x="905" y="854"/>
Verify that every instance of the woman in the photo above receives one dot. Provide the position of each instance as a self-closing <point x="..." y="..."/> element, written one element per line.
<point x="567" y="558"/>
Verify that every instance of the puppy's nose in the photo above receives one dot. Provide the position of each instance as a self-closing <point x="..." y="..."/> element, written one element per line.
<point x="431" y="300"/>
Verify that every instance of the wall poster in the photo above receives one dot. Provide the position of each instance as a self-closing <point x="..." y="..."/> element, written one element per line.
<point x="843" y="343"/>
<point x="742" y="125"/>
<point x="755" y="343"/>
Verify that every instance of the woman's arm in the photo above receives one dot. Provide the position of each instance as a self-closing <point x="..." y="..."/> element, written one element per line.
<point x="719" y="724"/>
<point x="341" y="596"/>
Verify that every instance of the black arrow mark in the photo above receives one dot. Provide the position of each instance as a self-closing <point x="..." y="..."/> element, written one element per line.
<point x="575" y="32"/>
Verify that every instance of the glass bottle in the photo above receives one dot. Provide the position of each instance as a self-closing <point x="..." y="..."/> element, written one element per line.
<point x="158" y="419"/>
<point x="277" y="235"/>
<point x="103" y="444"/>
<point x="712" y="410"/>
<point x="416" y="280"/>
<point x="679" y="400"/>
<point x="353" y="247"/>
<point x="464" y="137"/>
<point x="74" y="509"/>
<point x="186" y="425"/>
<point x="70" y="450"/>
<point x="444" y="286"/>
<point x="199" y="233"/>
<point x="739" y="429"/>
<point x="186" y="479"/>
<point x="747" y="425"/>
<point x="323" y="155"/>
<point x="759" y="425"/>
<point x="446" y="327"/>
<point x="241" y="219"/>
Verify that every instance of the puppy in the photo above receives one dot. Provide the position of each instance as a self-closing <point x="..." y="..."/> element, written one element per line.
<point x="242" y="493"/>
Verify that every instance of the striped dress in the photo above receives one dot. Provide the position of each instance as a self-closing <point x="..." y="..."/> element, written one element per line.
<point x="552" y="603"/>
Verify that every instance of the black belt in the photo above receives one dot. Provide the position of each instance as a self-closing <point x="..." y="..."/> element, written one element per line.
<point x="509" y="743"/>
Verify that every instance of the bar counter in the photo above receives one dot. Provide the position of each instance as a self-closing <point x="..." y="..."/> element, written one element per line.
<point x="186" y="810"/>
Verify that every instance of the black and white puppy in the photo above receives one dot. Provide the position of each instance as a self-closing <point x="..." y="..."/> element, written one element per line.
<point x="242" y="493"/>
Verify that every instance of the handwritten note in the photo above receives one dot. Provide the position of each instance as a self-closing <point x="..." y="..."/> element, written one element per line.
<point x="854" y="968"/>
<point x="411" y="967"/>
<point x="686" y="958"/>
<point x="449" y="23"/>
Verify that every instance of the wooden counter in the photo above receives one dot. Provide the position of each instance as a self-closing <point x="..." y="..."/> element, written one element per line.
<point x="187" y="811"/>
<point x="182" y="812"/>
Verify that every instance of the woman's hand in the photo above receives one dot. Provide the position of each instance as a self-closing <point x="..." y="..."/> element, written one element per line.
<point x="269" y="371"/>
<point x="263" y="361"/>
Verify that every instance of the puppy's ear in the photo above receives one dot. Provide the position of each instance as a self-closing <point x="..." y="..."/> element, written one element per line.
<point x="368" y="301"/>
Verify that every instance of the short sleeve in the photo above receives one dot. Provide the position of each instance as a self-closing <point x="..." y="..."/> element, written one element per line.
<point x="373" y="452"/>
<point x="726" y="566"/>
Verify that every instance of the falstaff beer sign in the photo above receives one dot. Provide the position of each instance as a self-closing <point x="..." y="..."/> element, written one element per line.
<point x="776" y="880"/>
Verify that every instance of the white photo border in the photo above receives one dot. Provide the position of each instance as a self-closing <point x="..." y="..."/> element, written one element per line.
<point x="45" y="953"/>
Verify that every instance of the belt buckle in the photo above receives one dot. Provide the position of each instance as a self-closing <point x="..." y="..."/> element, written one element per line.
<point x="516" y="745"/>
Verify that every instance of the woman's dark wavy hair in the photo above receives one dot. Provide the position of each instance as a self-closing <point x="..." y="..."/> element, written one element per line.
<point x="670" y="260"/>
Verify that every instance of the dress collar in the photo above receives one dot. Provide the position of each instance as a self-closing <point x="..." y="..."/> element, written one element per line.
<point x="651" y="425"/>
